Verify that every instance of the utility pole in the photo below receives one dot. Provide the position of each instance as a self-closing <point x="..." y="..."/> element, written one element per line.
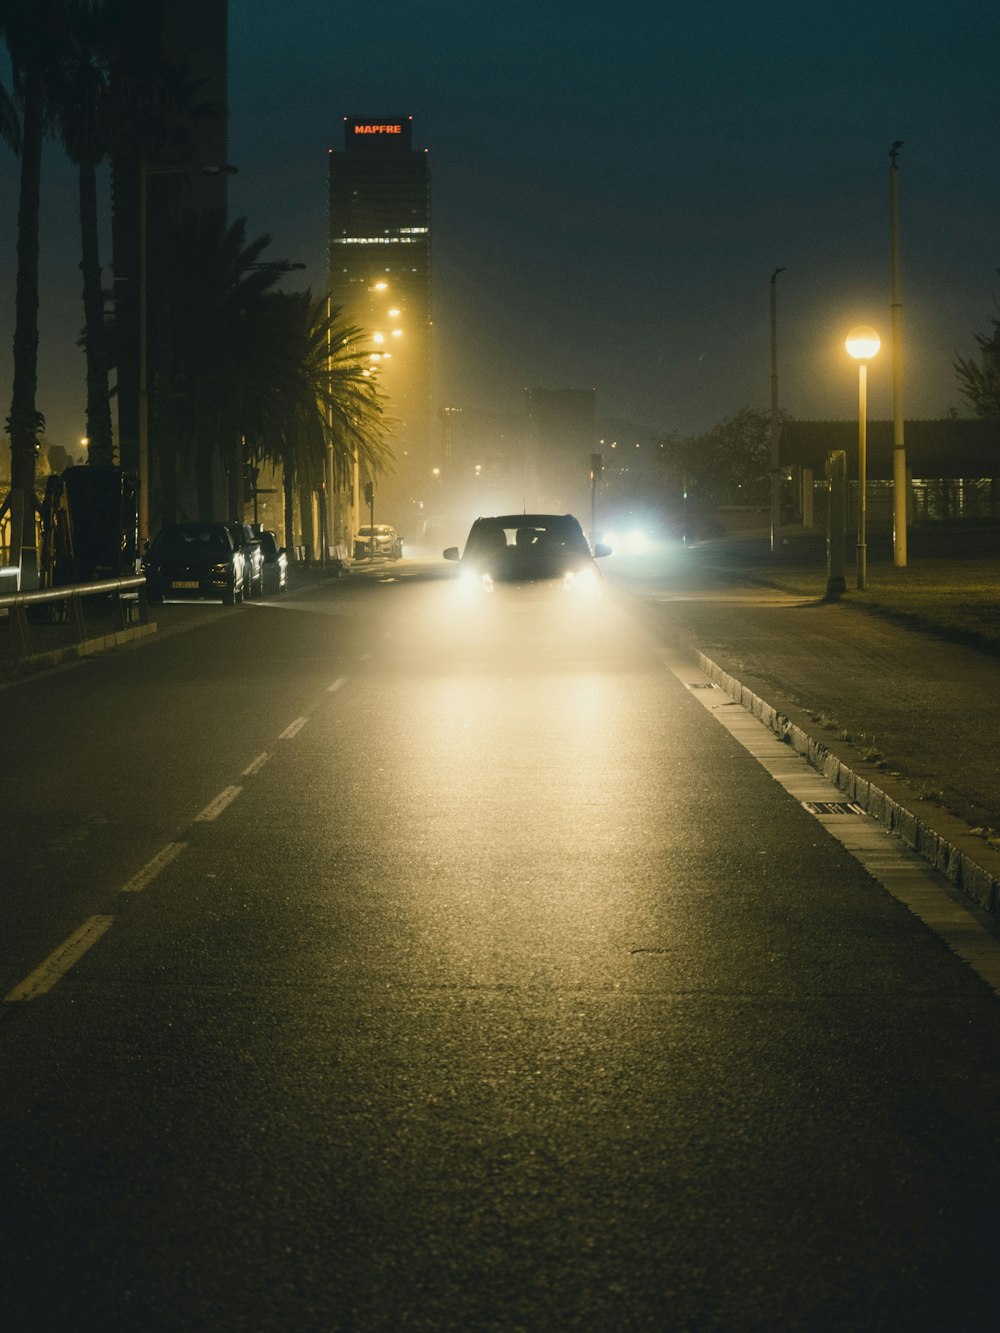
<point x="899" y="484"/>
<point x="775" y="465"/>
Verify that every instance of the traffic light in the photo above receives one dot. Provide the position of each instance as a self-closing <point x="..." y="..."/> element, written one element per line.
<point x="250" y="475"/>
<point x="369" y="492"/>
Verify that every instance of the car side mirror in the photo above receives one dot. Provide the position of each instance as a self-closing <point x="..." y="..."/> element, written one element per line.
<point x="451" y="553"/>
<point x="601" y="549"/>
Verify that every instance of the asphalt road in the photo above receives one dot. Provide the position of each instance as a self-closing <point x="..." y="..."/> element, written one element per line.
<point x="410" y="969"/>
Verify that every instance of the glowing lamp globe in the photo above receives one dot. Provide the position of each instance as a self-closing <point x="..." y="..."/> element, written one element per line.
<point x="862" y="343"/>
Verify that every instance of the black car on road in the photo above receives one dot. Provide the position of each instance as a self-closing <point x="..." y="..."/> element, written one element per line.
<point x="195" y="560"/>
<point x="529" y="551"/>
<point x="275" y="562"/>
<point x="247" y="541"/>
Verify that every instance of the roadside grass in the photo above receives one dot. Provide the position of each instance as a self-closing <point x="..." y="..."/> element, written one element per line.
<point x="957" y="599"/>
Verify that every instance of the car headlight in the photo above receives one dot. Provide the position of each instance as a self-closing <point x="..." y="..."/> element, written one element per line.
<point x="220" y="569"/>
<point x="580" y="580"/>
<point x="472" y="581"/>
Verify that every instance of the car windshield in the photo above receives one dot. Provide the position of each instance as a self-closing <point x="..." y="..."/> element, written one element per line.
<point x="190" y="538"/>
<point x="268" y="544"/>
<point x="526" y="545"/>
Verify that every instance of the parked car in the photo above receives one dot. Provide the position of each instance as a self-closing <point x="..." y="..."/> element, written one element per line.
<point x="275" y="563"/>
<point x="195" y="560"/>
<point x="249" y="543"/>
<point x="380" y="540"/>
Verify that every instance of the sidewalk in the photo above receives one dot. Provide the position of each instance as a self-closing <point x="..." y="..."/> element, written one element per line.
<point x="906" y="723"/>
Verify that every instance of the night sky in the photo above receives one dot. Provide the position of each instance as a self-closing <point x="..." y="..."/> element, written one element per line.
<point x="613" y="187"/>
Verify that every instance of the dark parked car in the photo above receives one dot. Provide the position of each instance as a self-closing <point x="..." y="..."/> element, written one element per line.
<point x="194" y="560"/>
<point x="275" y="563"/>
<point x="249" y="543"/>
<point x="546" y="552"/>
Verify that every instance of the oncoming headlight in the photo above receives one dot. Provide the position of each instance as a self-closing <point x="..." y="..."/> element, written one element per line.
<point x="580" y="582"/>
<point x="472" y="581"/>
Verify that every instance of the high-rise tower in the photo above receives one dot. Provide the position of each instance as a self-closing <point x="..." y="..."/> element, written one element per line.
<point x="380" y="277"/>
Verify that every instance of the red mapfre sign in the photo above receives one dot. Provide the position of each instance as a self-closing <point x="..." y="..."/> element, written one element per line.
<point x="388" y="133"/>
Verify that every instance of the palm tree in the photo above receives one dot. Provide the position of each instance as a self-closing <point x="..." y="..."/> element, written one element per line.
<point x="320" y="395"/>
<point x="34" y="32"/>
<point x="255" y="374"/>
<point x="84" y="115"/>
<point x="113" y="98"/>
<point x="217" y="363"/>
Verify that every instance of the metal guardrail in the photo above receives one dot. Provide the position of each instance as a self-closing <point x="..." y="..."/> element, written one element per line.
<point x="127" y="595"/>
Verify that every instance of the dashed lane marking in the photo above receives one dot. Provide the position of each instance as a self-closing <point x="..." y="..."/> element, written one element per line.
<point x="256" y="766"/>
<point x="152" y="868"/>
<point x="61" y="960"/>
<point x="216" y="807"/>
<point x="293" y="729"/>
<point x="332" y="689"/>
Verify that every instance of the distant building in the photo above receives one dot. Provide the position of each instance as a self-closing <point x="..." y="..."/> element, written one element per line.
<point x="953" y="465"/>
<point x="562" y="434"/>
<point x="380" y="277"/>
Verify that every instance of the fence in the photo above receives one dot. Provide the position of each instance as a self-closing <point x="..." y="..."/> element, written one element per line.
<point x="41" y="639"/>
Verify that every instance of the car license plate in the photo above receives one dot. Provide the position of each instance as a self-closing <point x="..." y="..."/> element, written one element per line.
<point x="185" y="583"/>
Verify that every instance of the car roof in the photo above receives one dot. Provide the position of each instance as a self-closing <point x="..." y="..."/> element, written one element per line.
<point x="528" y="520"/>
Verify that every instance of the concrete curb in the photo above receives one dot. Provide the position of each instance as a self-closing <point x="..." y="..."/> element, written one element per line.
<point x="71" y="652"/>
<point x="943" y="841"/>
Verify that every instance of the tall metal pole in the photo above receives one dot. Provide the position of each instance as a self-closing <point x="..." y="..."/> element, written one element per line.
<point x="862" y="474"/>
<point x="899" y="484"/>
<point x="329" y="477"/>
<point x="143" y="367"/>
<point x="775" y="465"/>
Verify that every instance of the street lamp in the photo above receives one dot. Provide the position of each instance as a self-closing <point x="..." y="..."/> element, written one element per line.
<point x="862" y="343"/>
<point x="899" y="487"/>
<point x="147" y="169"/>
<point x="775" y="466"/>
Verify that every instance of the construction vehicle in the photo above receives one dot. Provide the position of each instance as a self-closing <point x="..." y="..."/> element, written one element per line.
<point x="90" y="526"/>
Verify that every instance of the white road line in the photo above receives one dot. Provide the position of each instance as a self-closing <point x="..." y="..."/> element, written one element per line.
<point x="216" y="807"/>
<point x="256" y="766"/>
<point x="152" y="868"/>
<point x="293" y="729"/>
<point x="59" y="963"/>
<point x="332" y="689"/>
<point x="901" y="872"/>
<point x="365" y="657"/>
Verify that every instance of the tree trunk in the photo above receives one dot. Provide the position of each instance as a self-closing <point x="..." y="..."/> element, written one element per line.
<point x="203" y="481"/>
<point x="306" y="517"/>
<point x="288" y="495"/>
<point x="98" y="398"/>
<point x="25" y="421"/>
<point x="234" y="475"/>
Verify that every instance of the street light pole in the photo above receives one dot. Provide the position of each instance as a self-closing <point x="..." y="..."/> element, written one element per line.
<point x="899" y="486"/>
<point x="143" y="367"/>
<point x="775" y="465"/>
<point x="862" y="343"/>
